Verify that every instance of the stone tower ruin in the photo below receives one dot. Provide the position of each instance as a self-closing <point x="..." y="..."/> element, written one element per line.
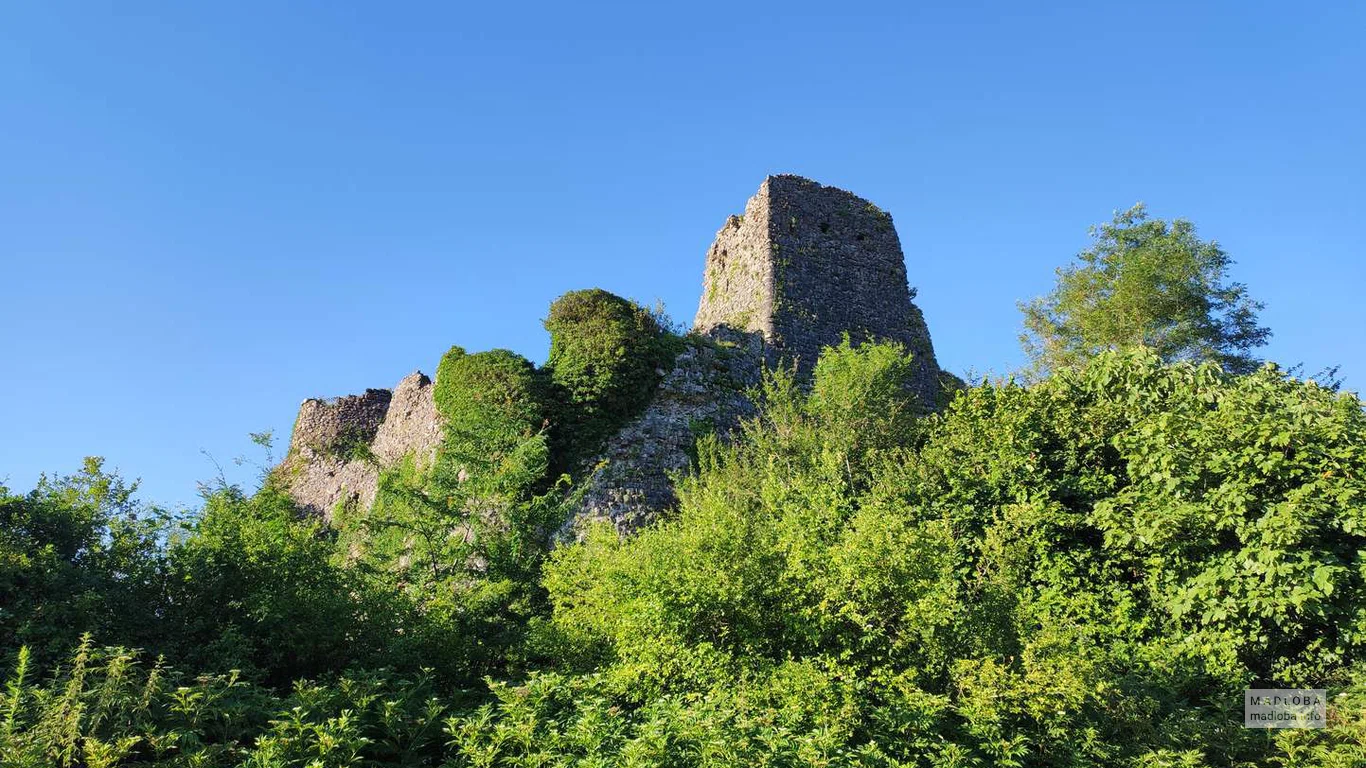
<point x="802" y="266"/>
<point x="807" y="263"/>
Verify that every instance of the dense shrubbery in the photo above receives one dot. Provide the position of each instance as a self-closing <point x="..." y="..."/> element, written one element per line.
<point x="605" y="356"/>
<point x="252" y="586"/>
<point x="1086" y="571"/>
<point x="461" y="542"/>
<point x="493" y="403"/>
<point x="77" y="554"/>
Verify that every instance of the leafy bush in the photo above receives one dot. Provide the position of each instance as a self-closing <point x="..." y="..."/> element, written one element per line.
<point x="606" y="354"/>
<point x="465" y="559"/>
<point x="253" y="586"/>
<point x="864" y="397"/>
<point x="107" y="708"/>
<point x="462" y="541"/>
<point x="492" y="402"/>
<point x="1084" y="572"/>
<point x="79" y="554"/>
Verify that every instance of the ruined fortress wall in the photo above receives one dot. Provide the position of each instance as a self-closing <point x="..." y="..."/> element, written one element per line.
<point x="321" y="471"/>
<point x="411" y="426"/>
<point x="737" y="284"/>
<point x="704" y="391"/>
<point x="802" y="266"/>
<point x="329" y="425"/>
<point x="816" y="262"/>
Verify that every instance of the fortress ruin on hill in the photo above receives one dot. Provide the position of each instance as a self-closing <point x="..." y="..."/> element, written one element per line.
<point x="802" y="266"/>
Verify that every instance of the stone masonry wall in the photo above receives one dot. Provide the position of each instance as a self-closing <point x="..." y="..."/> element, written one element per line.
<point x="320" y="471"/>
<point x="737" y="284"/>
<point x="704" y="392"/>
<point x="411" y="426"/>
<point x="329" y="425"/>
<point x="807" y="263"/>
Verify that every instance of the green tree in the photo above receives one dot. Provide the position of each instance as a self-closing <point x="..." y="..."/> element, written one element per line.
<point x="462" y="540"/>
<point x="1145" y="282"/>
<point x="1083" y="572"/>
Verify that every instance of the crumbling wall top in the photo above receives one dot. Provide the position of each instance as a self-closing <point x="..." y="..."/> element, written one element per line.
<point x="327" y="426"/>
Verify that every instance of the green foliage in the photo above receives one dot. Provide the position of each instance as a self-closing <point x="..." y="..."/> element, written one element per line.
<point x="248" y="584"/>
<point x="606" y="354"/>
<point x="253" y="586"/>
<point x="1145" y="282"/>
<point x="108" y="708"/>
<point x="1086" y="572"/>
<point x="78" y="554"/>
<point x="492" y="403"/>
<point x="462" y="541"/>
<point x="465" y="557"/>
<point x="1083" y="572"/>
<point x="864" y="396"/>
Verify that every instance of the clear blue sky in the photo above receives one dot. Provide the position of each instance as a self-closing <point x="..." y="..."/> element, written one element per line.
<point x="211" y="211"/>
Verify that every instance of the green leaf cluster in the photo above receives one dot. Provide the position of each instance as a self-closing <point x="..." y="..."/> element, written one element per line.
<point x="491" y="403"/>
<point x="78" y="554"/>
<point x="1083" y="572"/>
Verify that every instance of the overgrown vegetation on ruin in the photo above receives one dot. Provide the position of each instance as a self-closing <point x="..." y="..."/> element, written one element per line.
<point x="607" y="354"/>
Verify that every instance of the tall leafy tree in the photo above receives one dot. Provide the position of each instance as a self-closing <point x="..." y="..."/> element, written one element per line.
<point x="1145" y="282"/>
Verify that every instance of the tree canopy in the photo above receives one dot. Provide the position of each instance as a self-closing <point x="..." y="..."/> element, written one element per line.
<point x="1147" y="282"/>
<point x="1085" y="571"/>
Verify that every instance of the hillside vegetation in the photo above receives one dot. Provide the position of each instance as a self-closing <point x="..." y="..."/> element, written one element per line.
<point x="1086" y="571"/>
